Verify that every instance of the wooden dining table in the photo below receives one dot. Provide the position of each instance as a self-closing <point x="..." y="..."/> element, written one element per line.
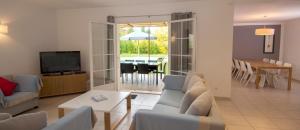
<point x="259" y="65"/>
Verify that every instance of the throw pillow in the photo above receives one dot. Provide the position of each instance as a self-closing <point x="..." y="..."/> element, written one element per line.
<point x="31" y="121"/>
<point x="201" y="105"/>
<point x="188" y="98"/>
<point x="190" y="82"/>
<point x="7" y="87"/>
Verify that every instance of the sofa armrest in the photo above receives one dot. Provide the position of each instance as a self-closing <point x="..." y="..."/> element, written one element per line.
<point x="153" y="120"/>
<point x="28" y="83"/>
<point x="79" y="119"/>
<point x="173" y="82"/>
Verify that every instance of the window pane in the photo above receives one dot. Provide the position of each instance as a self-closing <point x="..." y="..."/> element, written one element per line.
<point x="109" y="76"/>
<point x="110" y="31"/>
<point x="98" y="78"/>
<point x="176" y="63"/>
<point x="98" y="62"/>
<point x="176" y="47"/>
<point x="187" y="28"/>
<point x="109" y="61"/>
<point x="176" y="30"/>
<point x="186" y="63"/>
<point x="109" y="47"/>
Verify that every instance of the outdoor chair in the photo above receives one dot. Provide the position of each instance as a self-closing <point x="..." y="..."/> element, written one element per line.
<point x="162" y="70"/>
<point x="127" y="68"/>
<point x="144" y="69"/>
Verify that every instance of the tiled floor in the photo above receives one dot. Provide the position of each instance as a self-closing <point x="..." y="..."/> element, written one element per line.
<point x="248" y="108"/>
<point x="261" y="109"/>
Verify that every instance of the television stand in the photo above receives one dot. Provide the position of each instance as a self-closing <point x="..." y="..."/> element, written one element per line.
<point x="57" y="84"/>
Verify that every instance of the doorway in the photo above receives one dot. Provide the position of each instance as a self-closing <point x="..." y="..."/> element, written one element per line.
<point x="143" y="49"/>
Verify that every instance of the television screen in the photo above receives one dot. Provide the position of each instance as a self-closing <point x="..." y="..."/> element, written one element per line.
<point x="60" y="61"/>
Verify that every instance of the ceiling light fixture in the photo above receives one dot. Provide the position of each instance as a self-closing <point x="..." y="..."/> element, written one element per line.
<point x="3" y="28"/>
<point x="264" y="31"/>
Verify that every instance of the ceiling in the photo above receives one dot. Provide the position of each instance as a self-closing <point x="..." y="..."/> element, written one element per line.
<point x="274" y="10"/>
<point x="246" y="11"/>
<point x="67" y="4"/>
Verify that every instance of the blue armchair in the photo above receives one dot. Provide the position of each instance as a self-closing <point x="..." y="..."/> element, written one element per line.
<point x="25" y="96"/>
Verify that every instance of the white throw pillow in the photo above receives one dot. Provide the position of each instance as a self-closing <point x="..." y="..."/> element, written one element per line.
<point x="201" y="105"/>
<point x="188" y="98"/>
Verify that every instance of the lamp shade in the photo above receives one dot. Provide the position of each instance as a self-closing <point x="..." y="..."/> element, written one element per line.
<point x="264" y="31"/>
<point x="3" y="28"/>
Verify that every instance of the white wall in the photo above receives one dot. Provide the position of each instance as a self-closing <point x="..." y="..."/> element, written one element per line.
<point x="31" y="30"/>
<point x="291" y="51"/>
<point x="214" y="34"/>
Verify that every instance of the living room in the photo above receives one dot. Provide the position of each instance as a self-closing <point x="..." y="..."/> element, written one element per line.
<point x="30" y="30"/>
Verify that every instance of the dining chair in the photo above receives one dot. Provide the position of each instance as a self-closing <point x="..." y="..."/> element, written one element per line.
<point x="272" y="61"/>
<point x="161" y="71"/>
<point x="266" y="60"/>
<point x="249" y="74"/>
<point x="279" y="78"/>
<point x="127" y="68"/>
<point x="243" y="70"/>
<point x="237" y="68"/>
<point x="144" y="69"/>
<point x="140" y="61"/>
<point x="129" y="60"/>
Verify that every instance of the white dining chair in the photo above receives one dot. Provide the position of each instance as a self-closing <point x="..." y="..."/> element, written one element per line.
<point x="273" y="61"/>
<point x="237" y="67"/>
<point x="249" y="74"/>
<point x="280" y="77"/>
<point x="266" y="60"/>
<point x="242" y="71"/>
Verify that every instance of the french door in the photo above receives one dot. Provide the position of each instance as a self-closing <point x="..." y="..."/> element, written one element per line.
<point x="102" y="56"/>
<point x="182" y="46"/>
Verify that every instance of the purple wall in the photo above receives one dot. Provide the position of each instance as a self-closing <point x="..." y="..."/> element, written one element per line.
<point x="246" y="45"/>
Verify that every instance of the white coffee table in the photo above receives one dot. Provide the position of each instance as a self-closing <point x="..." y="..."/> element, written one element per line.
<point x="106" y="106"/>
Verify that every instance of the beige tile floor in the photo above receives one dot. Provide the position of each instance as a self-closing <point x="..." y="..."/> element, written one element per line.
<point x="248" y="108"/>
<point x="261" y="109"/>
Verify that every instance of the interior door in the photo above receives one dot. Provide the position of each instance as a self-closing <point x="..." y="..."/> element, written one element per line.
<point x="182" y="46"/>
<point x="102" y="56"/>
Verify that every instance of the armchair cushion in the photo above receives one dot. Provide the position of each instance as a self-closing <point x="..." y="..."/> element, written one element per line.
<point x="32" y="121"/>
<point x="171" y="98"/>
<point x="27" y="83"/>
<point x="19" y="97"/>
<point x="7" y="87"/>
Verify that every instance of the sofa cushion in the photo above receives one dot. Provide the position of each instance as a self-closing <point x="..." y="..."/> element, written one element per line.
<point x="188" y="98"/>
<point x="7" y="87"/>
<point x="171" y="97"/>
<point x="32" y="121"/>
<point x="165" y="108"/>
<point x="19" y="97"/>
<point x="190" y="80"/>
<point x="201" y="105"/>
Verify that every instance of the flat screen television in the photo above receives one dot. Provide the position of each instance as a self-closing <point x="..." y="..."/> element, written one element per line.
<point x="60" y="61"/>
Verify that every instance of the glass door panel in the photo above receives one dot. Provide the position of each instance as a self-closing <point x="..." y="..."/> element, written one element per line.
<point x="182" y="46"/>
<point x="102" y="59"/>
